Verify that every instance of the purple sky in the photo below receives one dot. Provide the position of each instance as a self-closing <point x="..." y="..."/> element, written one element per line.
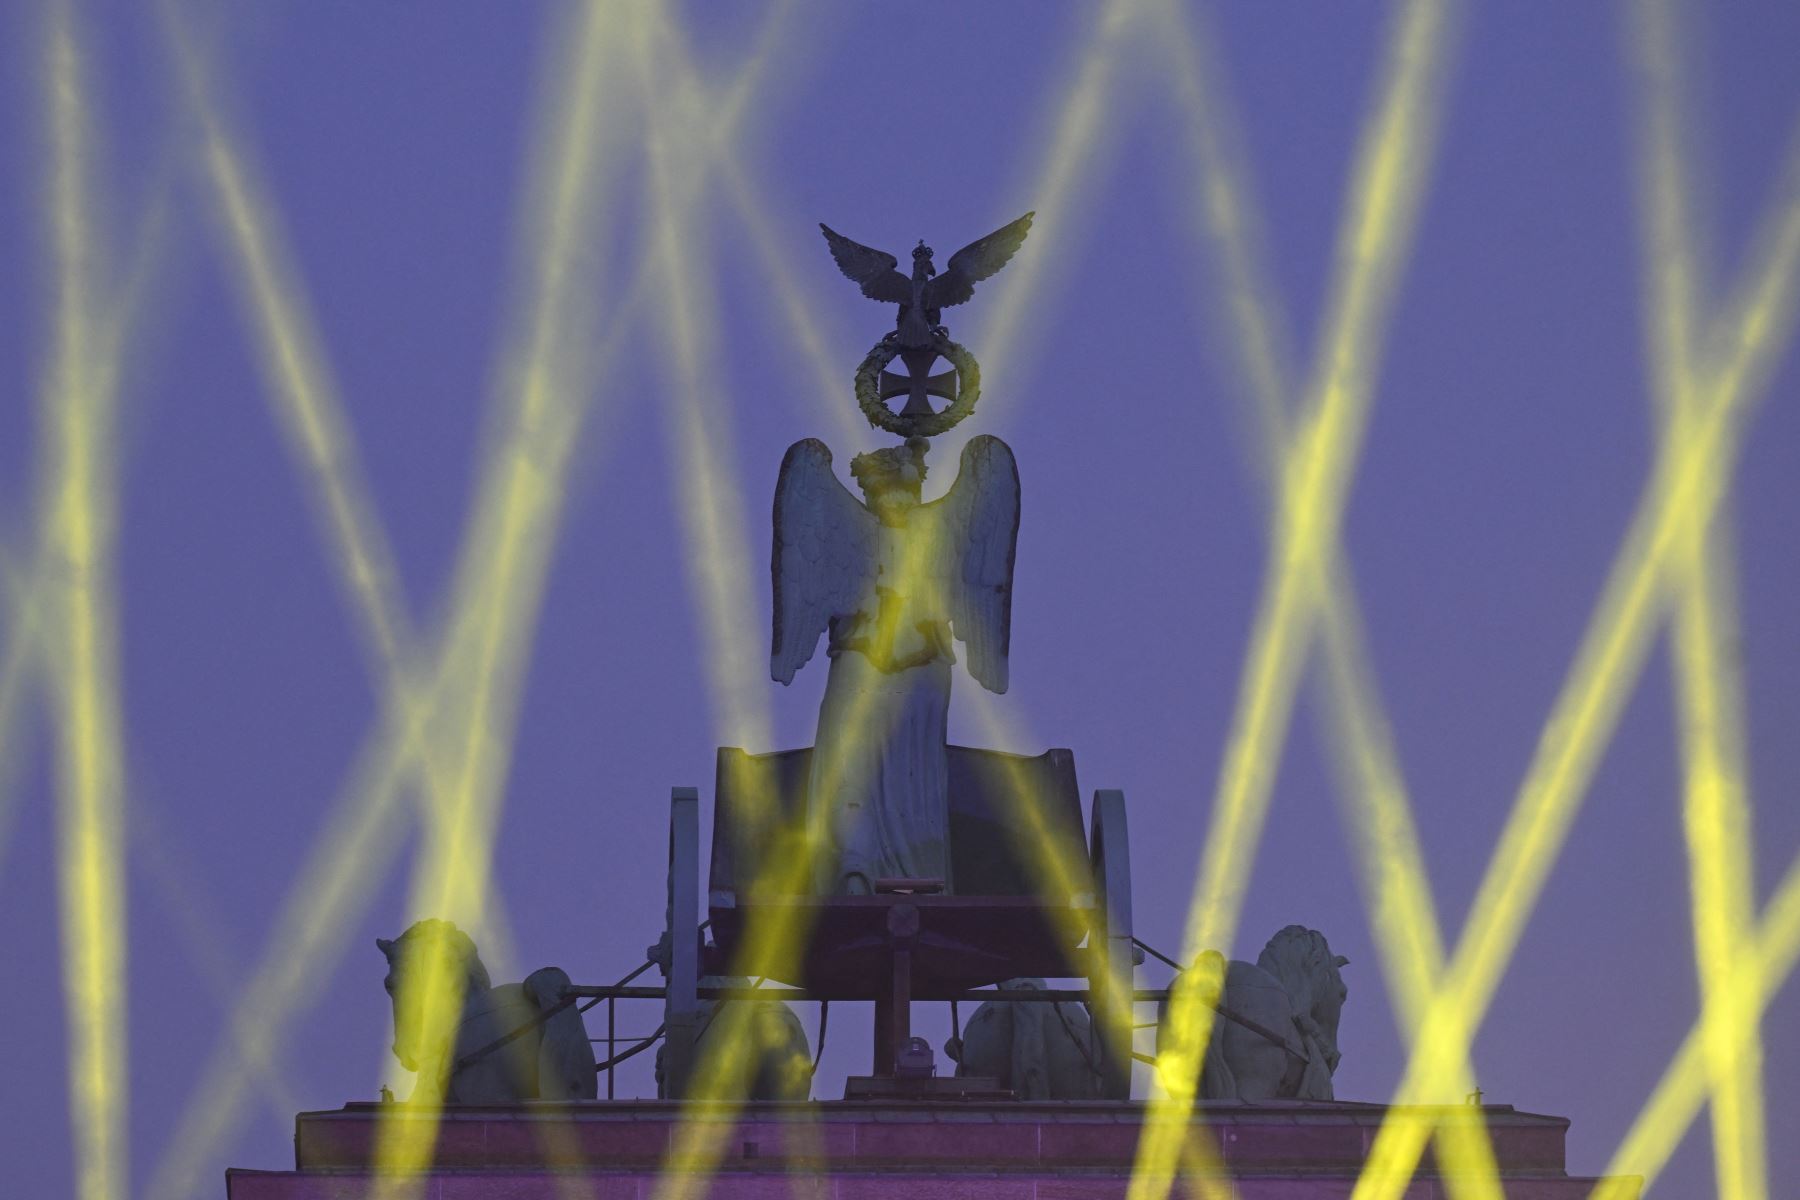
<point x="1510" y="440"/>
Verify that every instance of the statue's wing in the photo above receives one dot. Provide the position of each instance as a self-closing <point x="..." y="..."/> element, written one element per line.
<point x="825" y="546"/>
<point x="875" y="270"/>
<point x="976" y="531"/>
<point x="975" y="262"/>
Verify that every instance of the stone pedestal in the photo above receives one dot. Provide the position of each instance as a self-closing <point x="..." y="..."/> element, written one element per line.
<point x="848" y="1150"/>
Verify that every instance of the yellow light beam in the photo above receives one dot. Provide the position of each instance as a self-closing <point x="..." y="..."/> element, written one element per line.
<point x="1056" y="874"/>
<point x="307" y="401"/>
<point x="1064" y="172"/>
<point x="1715" y="812"/>
<point x="326" y="895"/>
<point x="1767" y="960"/>
<point x="720" y="1080"/>
<point x="708" y="492"/>
<point x="79" y="510"/>
<point x="832" y="382"/>
<point x="311" y="410"/>
<point x="1375" y="805"/>
<point x="330" y="882"/>
<point x="713" y="514"/>
<point x="1685" y="487"/>
<point x="32" y="589"/>
<point x="549" y="372"/>
<point x="1392" y="160"/>
<point x="1081" y="120"/>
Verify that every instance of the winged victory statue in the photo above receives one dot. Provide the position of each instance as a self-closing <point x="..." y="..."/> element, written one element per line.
<point x="891" y="583"/>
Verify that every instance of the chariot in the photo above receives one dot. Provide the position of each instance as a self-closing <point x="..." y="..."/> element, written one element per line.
<point x="1030" y="894"/>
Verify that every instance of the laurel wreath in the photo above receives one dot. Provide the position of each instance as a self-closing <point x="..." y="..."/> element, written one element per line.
<point x="868" y="389"/>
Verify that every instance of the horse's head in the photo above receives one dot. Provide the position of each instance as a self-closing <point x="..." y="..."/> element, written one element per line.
<point x="1309" y="971"/>
<point x="432" y="967"/>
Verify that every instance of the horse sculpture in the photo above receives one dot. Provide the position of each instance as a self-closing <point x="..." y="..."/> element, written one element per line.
<point x="1038" y="1050"/>
<point x="548" y="1056"/>
<point x="1275" y="1034"/>
<point x="765" y="1038"/>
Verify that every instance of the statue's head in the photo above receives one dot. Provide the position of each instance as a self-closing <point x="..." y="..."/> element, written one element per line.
<point x="432" y="966"/>
<point x="922" y="260"/>
<point x="1309" y="972"/>
<point x="892" y="480"/>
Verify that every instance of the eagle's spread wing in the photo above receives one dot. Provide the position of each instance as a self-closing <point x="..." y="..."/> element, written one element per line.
<point x="976" y="531"/>
<point x="974" y="263"/>
<point x="876" y="270"/>
<point x="824" y="560"/>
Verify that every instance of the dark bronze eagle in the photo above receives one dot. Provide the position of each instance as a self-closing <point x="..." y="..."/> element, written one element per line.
<point x="924" y="296"/>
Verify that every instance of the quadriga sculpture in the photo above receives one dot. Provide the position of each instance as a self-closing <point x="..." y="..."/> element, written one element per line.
<point x="1283" y="1042"/>
<point x="551" y="1060"/>
<point x="1039" y="1050"/>
<point x="763" y="1037"/>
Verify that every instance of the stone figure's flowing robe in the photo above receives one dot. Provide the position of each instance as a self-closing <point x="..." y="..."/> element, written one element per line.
<point x="880" y="768"/>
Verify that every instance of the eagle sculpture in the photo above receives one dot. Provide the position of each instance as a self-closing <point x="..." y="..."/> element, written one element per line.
<point x="924" y="296"/>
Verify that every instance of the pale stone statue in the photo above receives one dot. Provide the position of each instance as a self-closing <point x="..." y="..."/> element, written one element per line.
<point x="891" y="581"/>
<point x="1038" y="1050"/>
<point x="781" y="1064"/>
<point x="1275" y="1034"/>
<point x="551" y="1059"/>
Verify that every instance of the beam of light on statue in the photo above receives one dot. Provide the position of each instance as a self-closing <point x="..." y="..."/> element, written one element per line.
<point x="1685" y="487"/>
<point x="1058" y="874"/>
<point x="710" y="501"/>
<point x="1766" y="960"/>
<point x="721" y="1078"/>
<point x="1380" y="212"/>
<point x="1371" y="786"/>
<point x="722" y="1075"/>
<point x="79" y="510"/>
<point x="1716" y="816"/>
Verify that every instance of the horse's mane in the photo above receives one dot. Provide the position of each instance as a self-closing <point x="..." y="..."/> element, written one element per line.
<point x="461" y="946"/>
<point x="1298" y="957"/>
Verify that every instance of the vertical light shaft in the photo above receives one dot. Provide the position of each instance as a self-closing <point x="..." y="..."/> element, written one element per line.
<point x="80" y="512"/>
<point x="1716" y="815"/>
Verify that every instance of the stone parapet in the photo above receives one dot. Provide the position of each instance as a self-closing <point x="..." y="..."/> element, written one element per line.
<point x="872" y="1151"/>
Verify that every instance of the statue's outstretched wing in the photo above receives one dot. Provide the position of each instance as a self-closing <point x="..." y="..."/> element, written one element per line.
<point x="976" y="531"/>
<point x="975" y="262"/>
<point x="825" y="554"/>
<point x="875" y="270"/>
